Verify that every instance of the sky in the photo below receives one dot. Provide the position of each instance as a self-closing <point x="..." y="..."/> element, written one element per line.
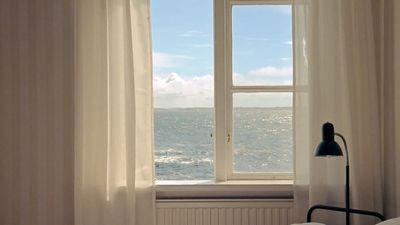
<point x="182" y="39"/>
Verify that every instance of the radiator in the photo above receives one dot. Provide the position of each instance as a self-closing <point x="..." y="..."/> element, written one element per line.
<point x="225" y="212"/>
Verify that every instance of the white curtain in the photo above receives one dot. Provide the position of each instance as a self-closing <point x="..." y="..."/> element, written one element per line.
<point x="391" y="106"/>
<point x="337" y="80"/>
<point x="113" y="114"/>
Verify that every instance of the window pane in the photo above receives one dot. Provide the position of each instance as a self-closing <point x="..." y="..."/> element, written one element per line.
<point x="262" y="45"/>
<point x="262" y="132"/>
<point x="183" y="143"/>
<point x="183" y="89"/>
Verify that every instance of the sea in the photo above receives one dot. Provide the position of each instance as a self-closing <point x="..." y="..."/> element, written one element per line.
<point x="262" y="141"/>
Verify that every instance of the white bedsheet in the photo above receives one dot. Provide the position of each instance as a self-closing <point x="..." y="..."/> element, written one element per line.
<point x="395" y="221"/>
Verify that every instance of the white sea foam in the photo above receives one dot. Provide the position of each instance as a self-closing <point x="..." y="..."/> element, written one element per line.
<point x="181" y="160"/>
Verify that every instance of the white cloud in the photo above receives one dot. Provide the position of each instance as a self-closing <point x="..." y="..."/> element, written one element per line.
<point x="271" y="71"/>
<point x="284" y="59"/>
<point x="173" y="91"/>
<point x="166" y="60"/>
<point x="239" y="79"/>
<point x="194" y="33"/>
<point x="288" y="42"/>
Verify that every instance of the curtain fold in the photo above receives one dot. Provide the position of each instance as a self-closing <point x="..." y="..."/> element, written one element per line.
<point x="391" y="106"/>
<point x="113" y="114"/>
<point x="337" y="81"/>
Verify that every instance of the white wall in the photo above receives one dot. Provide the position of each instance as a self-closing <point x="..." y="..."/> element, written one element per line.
<point x="36" y="112"/>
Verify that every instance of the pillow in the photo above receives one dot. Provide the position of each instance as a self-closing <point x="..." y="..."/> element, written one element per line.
<point x="395" y="221"/>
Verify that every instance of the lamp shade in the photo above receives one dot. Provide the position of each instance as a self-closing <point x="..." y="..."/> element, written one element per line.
<point x="328" y="146"/>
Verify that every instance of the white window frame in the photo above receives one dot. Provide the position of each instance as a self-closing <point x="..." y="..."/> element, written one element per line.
<point x="224" y="170"/>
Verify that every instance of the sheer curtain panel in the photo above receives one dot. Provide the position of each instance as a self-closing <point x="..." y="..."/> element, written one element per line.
<point x="113" y="114"/>
<point x="337" y="81"/>
<point x="391" y="106"/>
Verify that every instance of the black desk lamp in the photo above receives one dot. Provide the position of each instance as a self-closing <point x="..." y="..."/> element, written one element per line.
<point x="328" y="147"/>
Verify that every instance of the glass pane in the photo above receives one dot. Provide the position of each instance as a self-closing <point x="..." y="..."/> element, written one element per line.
<point x="262" y="45"/>
<point x="183" y="89"/>
<point x="262" y="132"/>
<point x="183" y="143"/>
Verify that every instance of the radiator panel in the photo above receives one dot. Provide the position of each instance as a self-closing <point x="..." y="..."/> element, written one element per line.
<point x="225" y="212"/>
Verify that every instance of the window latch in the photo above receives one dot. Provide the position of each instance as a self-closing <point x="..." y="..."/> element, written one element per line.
<point x="229" y="138"/>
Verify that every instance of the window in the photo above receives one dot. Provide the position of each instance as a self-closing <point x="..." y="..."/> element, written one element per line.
<point x="183" y="89"/>
<point x="242" y="128"/>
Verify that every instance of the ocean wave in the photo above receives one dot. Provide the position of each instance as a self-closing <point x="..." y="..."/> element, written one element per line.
<point x="262" y="141"/>
<point x="179" y="159"/>
<point x="168" y="151"/>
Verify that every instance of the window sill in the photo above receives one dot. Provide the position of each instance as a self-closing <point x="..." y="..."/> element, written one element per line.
<point x="248" y="189"/>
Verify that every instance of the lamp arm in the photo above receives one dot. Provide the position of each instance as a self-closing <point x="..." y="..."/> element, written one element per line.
<point x="347" y="194"/>
<point x="345" y="147"/>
